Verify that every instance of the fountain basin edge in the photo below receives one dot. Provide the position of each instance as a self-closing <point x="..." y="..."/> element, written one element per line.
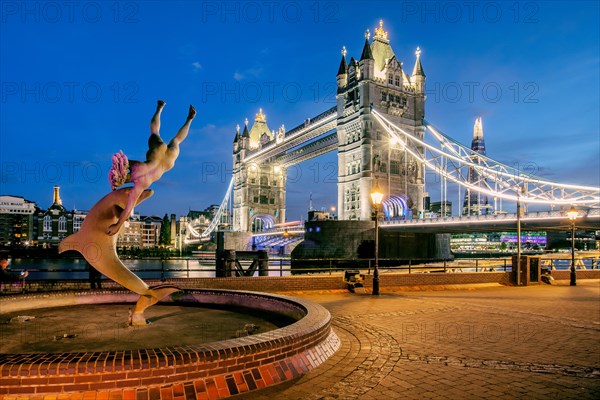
<point x="217" y="370"/>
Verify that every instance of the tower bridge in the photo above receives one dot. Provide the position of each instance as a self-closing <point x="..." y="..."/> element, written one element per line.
<point x="261" y="156"/>
<point x="378" y="129"/>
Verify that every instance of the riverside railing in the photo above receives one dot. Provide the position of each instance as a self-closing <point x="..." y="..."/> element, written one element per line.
<point x="154" y="268"/>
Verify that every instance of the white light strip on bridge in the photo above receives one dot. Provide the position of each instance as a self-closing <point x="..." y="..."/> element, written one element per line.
<point x="276" y="233"/>
<point x="390" y="224"/>
<point x="216" y="218"/>
<point x="384" y="123"/>
<point x="525" y="177"/>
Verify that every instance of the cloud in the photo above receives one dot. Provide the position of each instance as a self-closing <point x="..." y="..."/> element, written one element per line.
<point x="197" y="66"/>
<point x="254" y="72"/>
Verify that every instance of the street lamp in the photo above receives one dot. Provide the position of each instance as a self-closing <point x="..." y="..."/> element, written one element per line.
<point x="573" y="214"/>
<point x="376" y="198"/>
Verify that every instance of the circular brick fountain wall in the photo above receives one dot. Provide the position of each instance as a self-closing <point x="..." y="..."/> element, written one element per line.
<point x="213" y="370"/>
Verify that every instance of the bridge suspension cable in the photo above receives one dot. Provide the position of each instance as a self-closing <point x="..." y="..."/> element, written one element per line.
<point x="453" y="160"/>
<point x="214" y="223"/>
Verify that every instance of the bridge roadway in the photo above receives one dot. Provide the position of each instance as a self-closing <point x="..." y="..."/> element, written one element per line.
<point x="533" y="221"/>
<point x="289" y="151"/>
<point x="543" y="221"/>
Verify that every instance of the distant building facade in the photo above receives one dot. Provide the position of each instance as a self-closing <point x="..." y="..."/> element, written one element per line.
<point x="441" y="208"/>
<point x="23" y="223"/>
<point x="151" y="231"/>
<point x="130" y="234"/>
<point x="140" y="232"/>
<point x="17" y="221"/>
<point x="55" y="223"/>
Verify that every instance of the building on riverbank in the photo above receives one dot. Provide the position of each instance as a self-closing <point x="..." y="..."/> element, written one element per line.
<point x="18" y="225"/>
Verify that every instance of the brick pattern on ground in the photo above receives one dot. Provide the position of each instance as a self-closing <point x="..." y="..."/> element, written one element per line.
<point x="538" y="342"/>
<point x="534" y="342"/>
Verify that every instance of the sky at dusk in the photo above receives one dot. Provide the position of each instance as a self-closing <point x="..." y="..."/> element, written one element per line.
<point x="80" y="80"/>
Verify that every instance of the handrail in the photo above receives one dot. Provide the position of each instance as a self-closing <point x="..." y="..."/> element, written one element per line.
<point x="283" y="266"/>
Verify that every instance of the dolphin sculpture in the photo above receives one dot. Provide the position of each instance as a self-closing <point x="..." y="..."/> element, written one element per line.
<point x="100" y="250"/>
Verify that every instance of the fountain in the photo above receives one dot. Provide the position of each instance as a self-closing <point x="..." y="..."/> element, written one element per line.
<point x="250" y="360"/>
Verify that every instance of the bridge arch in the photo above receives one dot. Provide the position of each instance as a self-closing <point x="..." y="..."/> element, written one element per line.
<point x="261" y="222"/>
<point x="395" y="207"/>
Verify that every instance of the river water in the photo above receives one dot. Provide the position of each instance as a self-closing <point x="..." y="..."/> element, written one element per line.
<point x="42" y="269"/>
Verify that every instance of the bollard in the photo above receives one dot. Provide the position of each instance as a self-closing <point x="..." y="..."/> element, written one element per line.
<point x="263" y="263"/>
<point x="229" y="256"/>
<point x="219" y="264"/>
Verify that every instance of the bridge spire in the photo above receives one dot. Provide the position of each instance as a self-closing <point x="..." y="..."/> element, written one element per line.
<point x="367" y="54"/>
<point x="418" y="75"/>
<point x="246" y="134"/>
<point x="478" y="130"/>
<point x="380" y="34"/>
<point x="237" y="134"/>
<point x="418" y="69"/>
<point x="343" y="69"/>
<point x="342" y="75"/>
<point x="260" y="117"/>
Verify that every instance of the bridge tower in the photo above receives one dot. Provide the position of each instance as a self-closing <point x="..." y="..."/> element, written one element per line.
<point x="258" y="189"/>
<point x="366" y="155"/>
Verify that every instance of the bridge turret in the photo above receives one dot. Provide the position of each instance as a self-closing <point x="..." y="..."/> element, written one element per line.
<point x="236" y="139"/>
<point x="259" y="134"/>
<point x="342" y="75"/>
<point x="244" y="140"/>
<point x="418" y="75"/>
<point x="367" y="62"/>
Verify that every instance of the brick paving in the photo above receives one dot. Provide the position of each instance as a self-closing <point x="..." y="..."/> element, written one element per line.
<point x="537" y="342"/>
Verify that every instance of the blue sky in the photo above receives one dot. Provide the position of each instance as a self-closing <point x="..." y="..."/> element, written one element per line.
<point x="80" y="82"/>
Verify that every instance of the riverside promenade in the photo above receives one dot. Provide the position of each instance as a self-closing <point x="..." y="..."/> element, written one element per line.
<point x="473" y="342"/>
<point x="439" y="341"/>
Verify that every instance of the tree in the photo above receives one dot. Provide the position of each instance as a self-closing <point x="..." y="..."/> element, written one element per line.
<point x="165" y="231"/>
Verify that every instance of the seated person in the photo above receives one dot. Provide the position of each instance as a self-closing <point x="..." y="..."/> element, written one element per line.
<point x="8" y="276"/>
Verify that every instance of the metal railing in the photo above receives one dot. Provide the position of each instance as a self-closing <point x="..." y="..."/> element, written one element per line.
<point x="205" y="267"/>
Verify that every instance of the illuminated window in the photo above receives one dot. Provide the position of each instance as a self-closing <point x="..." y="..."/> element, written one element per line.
<point x="62" y="224"/>
<point x="47" y="223"/>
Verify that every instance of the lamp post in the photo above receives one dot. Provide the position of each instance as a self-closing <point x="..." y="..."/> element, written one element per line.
<point x="376" y="198"/>
<point x="573" y="214"/>
<point x="518" y="241"/>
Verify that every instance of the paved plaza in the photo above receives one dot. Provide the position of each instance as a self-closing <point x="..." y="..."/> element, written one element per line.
<point x="484" y="342"/>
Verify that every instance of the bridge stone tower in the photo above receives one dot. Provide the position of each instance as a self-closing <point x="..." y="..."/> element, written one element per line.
<point x="366" y="154"/>
<point x="258" y="189"/>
